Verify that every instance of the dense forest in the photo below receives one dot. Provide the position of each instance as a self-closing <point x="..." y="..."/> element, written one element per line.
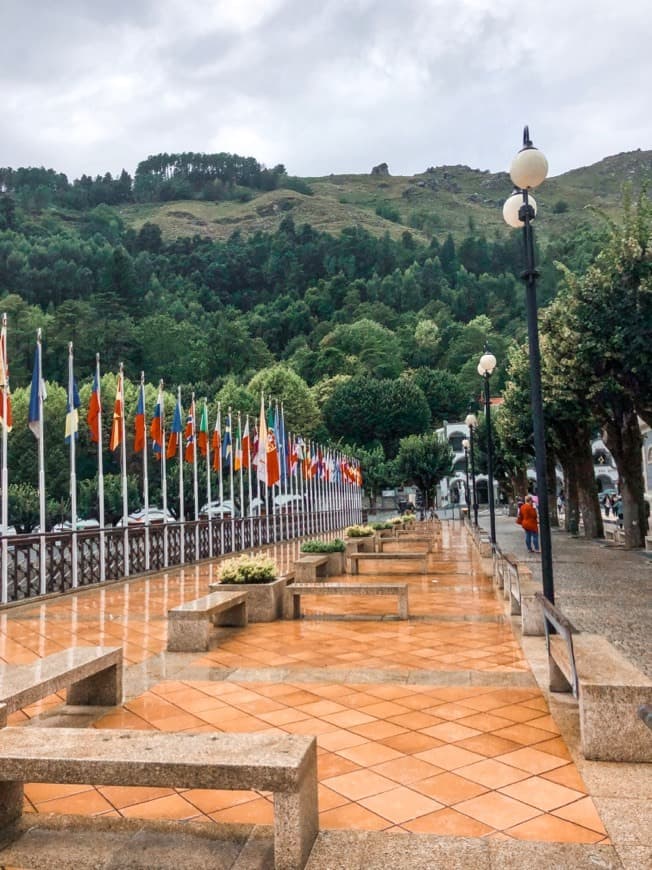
<point x="382" y="333"/>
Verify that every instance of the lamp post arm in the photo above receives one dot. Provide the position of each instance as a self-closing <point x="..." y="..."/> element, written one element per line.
<point x="490" y="464"/>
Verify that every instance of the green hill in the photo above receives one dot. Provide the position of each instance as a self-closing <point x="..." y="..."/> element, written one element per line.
<point x="430" y="204"/>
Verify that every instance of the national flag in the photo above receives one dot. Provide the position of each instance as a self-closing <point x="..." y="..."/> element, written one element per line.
<point x="279" y="431"/>
<point x="255" y="447"/>
<point x="157" y="426"/>
<point x="314" y="463"/>
<point x="139" y="422"/>
<point x="94" y="411"/>
<point x="272" y="460"/>
<point x="72" y="412"/>
<point x="237" y="457"/>
<point x="216" y="444"/>
<point x="246" y="446"/>
<point x="118" y="414"/>
<point x="261" y="453"/>
<point x="5" y="402"/>
<point x="227" y="447"/>
<point x="37" y="395"/>
<point x="202" y="435"/>
<point x="189" y="452"/>
<point x="175" y="432"/>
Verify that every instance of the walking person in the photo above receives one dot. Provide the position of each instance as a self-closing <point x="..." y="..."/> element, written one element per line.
<point x="529" y="520"/>
<point x="607" y="505"/>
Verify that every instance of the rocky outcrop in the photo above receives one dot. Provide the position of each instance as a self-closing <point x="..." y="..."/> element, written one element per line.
<point x="381" y="169"/>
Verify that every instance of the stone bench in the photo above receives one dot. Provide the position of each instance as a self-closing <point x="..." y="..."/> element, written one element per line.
<point x="389" y="561"/>
<point x="523" y="590"/>
<point x="609" y="689"/>
<point x="510" y="573"/>
<point x="648" y="543"/>
<point x="292" y="602"/>
<point x="311" y="566"/>
<point x="418" y="543"/>
<point x="283" y="764"/>
<point x="92" y="675"/>
<point x="190" y="624"/>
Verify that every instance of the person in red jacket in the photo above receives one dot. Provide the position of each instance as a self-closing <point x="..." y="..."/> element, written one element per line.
<point x="529" y="520"/>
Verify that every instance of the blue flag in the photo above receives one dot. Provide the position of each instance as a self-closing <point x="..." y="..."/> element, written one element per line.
<point x="227" y="448"/>
<point x="36" y="396"/>
<point x="72" y="414"/>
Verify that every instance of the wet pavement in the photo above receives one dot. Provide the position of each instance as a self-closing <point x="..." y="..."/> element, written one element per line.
<point x="438" y="727"/>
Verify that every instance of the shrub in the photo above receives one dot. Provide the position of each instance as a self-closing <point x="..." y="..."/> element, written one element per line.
<point x="248" y="569"/>
<point x="359" y="532"/>
<point x="389" y="212"/>
<point x="396" y="521"/>
<point x="336" y="546"/>
<point x="379" y="527"/>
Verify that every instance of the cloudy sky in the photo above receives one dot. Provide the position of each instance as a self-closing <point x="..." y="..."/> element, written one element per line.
<point x="323" y="85"/>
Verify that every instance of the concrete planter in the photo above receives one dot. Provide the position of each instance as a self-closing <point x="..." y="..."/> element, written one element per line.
<point x="264" y="600"/>
<point x="335" y="564"/>
<point x="365" y="545"/>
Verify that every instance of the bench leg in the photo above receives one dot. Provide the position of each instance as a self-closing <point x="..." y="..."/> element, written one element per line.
<point x="188" y="636"/>
<point x="11" y="802"/>
<point x="403" y="611"/>
<point x="296" y="607"/>
<point x="514" y="604"/>
<point x="236" y="616"/>
<point x="103" y="689"/>
<point x="558" y="682"/>
<point x="296" y="821"/>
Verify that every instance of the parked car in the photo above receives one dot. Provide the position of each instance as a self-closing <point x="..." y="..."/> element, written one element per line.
<point x="81" y="525"/>
<point x="216" y="510"/>
<point x="7" y="531"/>
<point x="290" y="500"/>
<point x="139" y="517"/>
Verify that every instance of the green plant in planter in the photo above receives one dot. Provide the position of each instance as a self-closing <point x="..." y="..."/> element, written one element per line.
<point x="381" y="527"/>
<point x="396" y="521"/>
<point x="359" y="532"/>
<point x="336" y="546"/>
<point x="248" y="569"/>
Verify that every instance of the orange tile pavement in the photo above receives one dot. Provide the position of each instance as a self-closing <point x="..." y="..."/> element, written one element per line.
<point x="415" y="756"/>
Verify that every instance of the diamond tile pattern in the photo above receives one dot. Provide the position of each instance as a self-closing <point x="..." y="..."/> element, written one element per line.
<point x="394" y="755"/>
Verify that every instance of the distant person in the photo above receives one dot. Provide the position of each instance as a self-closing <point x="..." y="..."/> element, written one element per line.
<point x="529" y="521"/>
<point x="607" y="505"/>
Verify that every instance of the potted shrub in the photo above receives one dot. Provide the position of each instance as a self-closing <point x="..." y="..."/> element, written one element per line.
<point x="333" y="549"/>
<point x="361" y="537"/>
<point x="383" y="530"/>
<point x="258" y="575"/>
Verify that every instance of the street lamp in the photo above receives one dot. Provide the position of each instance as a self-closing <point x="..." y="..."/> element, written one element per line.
<point x="472" y="422"/>
<point x="486" y="367"/>
<point x="529" y="168"/>
<point x="467" y="493"/>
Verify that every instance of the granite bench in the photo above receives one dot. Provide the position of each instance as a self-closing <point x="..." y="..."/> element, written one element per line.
<point x="389" y="561"/>
<point x="523" y="590"/>
<point x="283" y="764"/>
<point x="311" y="566"/>
<point x="293" y="593"/>
<point x="418" y="543"/>
<point x="608" y="687"/>
<point x="190" y="624"/>
<point x="92" y="676"/>
<point x="648" y="543"/>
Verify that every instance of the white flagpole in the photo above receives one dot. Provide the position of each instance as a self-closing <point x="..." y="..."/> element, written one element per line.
<point x="164" y="476"/>
<point x="5" y="471"/>
<point x="220" y="476"/>
<point x="73" y="466"/>
<point x="208" y="483"/>
<point x="195" y="481"/>
<point x="145" y="474"/>
<point x="231" y="482"/>
<point x="182" y="514"/>
<point x="249" y="458"/>
<point x="41" y="466"/>
<point x="123" y="463"/>
<point x="100" y="473"/>
<point x="241" y="483"/>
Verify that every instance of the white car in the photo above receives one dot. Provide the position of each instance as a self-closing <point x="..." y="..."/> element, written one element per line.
<point x="139" y="517"/>
<point x="7" y="531"/>
<point x="81" y="526"/>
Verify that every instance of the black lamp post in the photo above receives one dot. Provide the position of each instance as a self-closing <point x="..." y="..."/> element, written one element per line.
<point x="472" y="422"/>
<point x="467" y="492"/>
<point x="486" y="367"/>
<point x="529" y="168"/>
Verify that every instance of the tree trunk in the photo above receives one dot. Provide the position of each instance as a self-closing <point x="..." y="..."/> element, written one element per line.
<point x="551" y="474"/>
<point x="575" y="444"/>
<point x="624" y="442"/>
<point x="572" y="521"/>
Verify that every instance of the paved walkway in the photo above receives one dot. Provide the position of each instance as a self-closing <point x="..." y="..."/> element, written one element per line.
<point x="434" y="727"/>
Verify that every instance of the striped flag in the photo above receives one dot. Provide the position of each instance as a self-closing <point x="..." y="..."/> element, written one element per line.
<point x="202" y="435"/>
<point x="227" y="447"/>
<point x="175" y="432"/>
<point x="216" y="444"/>
<point x="5" y="405"/>
<point x="37" y="396"/>
<point x="118" y="414"/>
<point x="157" y="426"/>
<point x="246" y="446"/>
<point x="94" y="410"/>
<point x="189" y="452"/>
<point x="139" y="422"/>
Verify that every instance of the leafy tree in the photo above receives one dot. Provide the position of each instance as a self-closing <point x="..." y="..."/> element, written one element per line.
<point x="423" y="460"/>
<point x="281" y="384"/>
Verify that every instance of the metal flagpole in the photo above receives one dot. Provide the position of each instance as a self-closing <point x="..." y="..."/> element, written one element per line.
<point x="241" y="482"/>
<point x="164" y="477"/>
<point x="195" y="480"/>
<point x="41" y="467"/>
<point x="123" y="464"/>
<point x="231" y="482"/>
<point x="100" y="472"/>
<point x="208" y="481"/>
<point x="220" y="477"/>
<point x="182" y="512"/>
<point x="4" y="374"/>
<point x="145" y="475"/>
<point x="72" y="434"/>
<point x="250" y="512"/>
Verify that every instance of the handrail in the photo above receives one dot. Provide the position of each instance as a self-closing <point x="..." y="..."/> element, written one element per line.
<point x="563" y="627"/>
